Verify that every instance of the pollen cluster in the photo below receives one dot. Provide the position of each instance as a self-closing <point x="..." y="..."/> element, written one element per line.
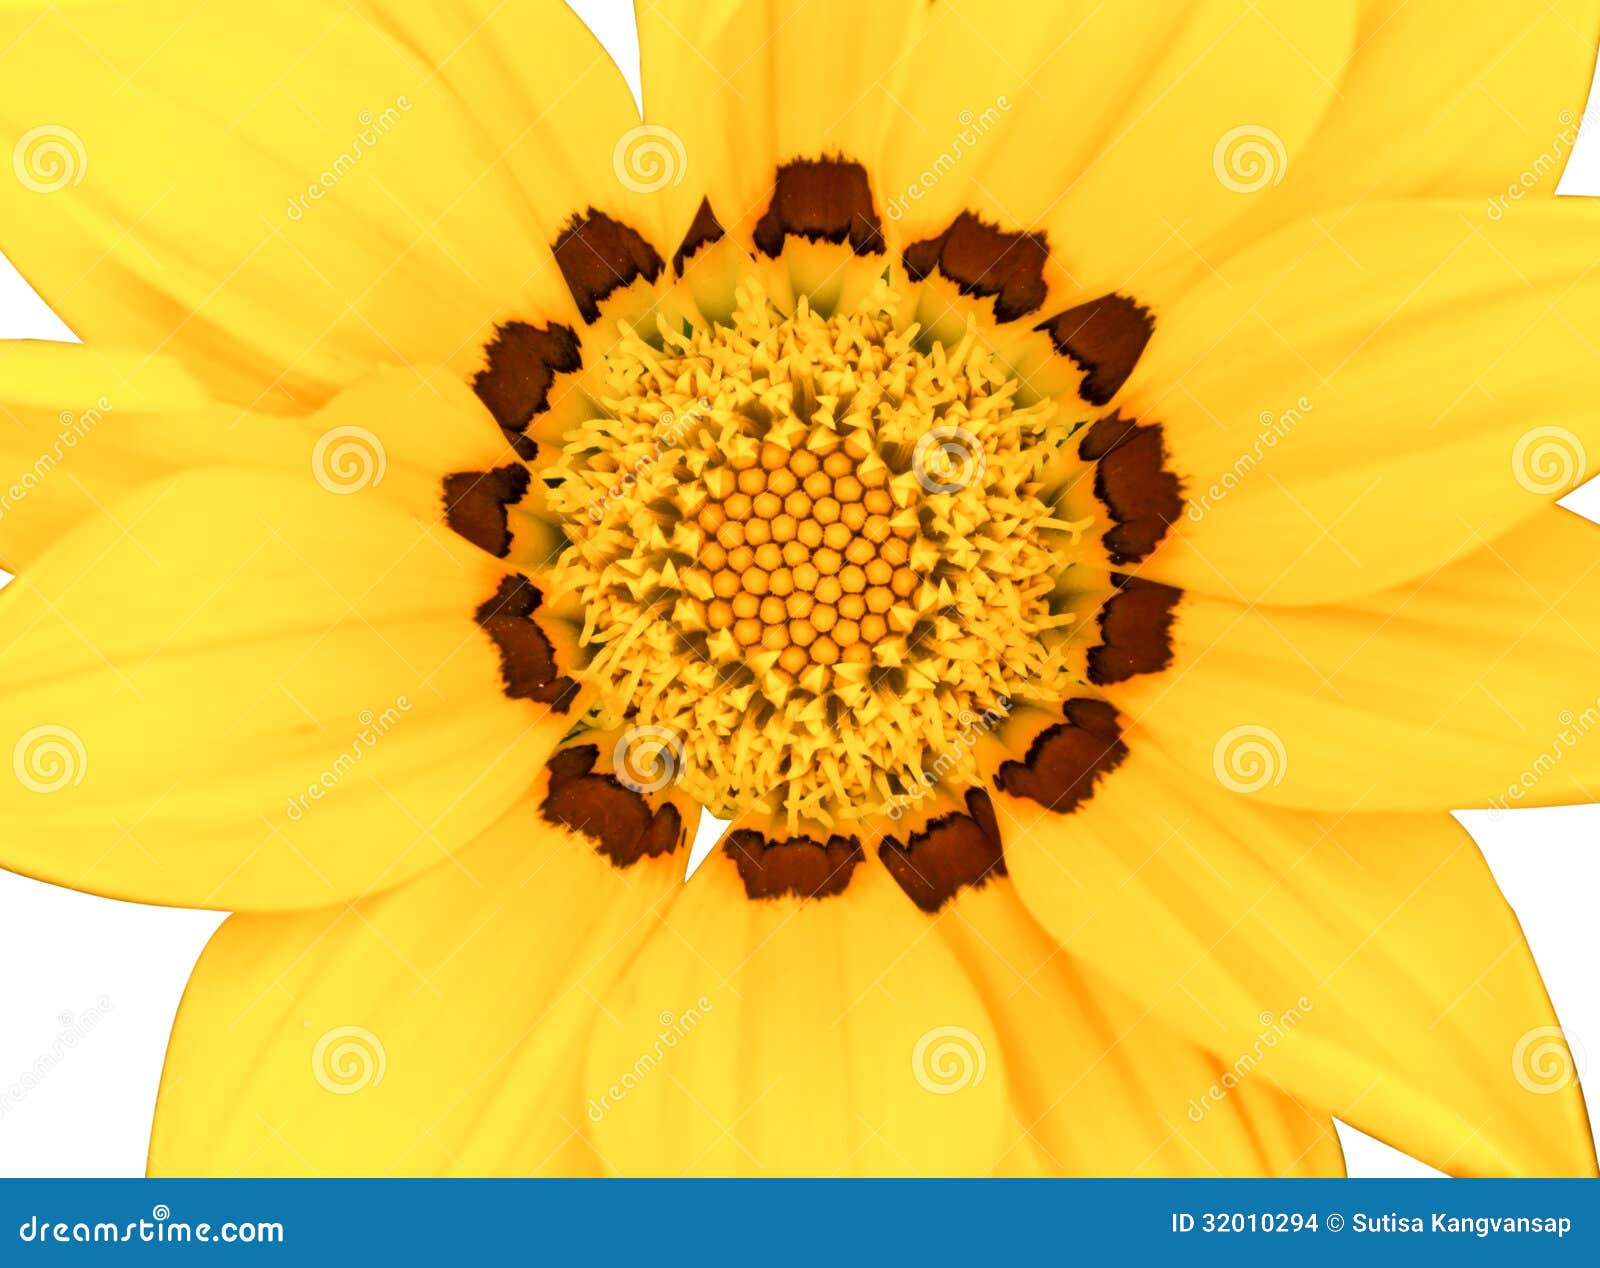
<point x="810" y="560"/>
<point x="808" y="545"/>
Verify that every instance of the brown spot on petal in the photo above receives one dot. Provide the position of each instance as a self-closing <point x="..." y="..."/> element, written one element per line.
<point x="665" y="833"/>
<point x="1105" y="338"/>
<point x="617" y="819"/>
<point x="528" y="667"/>
<point x="821" y="200"/>
<point x="523" y="362"/>
<point x="598" y="255"/>
<point x="1135" y="631"/>
<point x="475" y="505"/>
<point x="984" y="260"/>
<point x="704" y="229"/>
<point x="798" y="866"/>
<point x="1065" y="760"/>
<point x="1132" y="480"/>
<point x="953" y="851"/>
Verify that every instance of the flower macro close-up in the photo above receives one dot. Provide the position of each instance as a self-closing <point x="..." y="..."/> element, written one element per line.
<point x="916" y="603"/>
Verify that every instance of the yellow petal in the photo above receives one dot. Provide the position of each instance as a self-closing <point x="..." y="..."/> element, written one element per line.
<point x="546" y="99"/>
<point x="284" y="200"/>
<point x="1433" y="106"/>
<point x="81" y="426"/>
<point x="550" y="108"/>
<point x="831" y="1036"/>
<point x="1136" y="129"/>
<point x="1100" y="1085"/>
<point x="989" y="85"/>
<point x="433" y="1030"/>
<point x="1357" y="400"/>
<point x="393" y="435"/>
<point x="746" y="87"/>
<point x="950" y="106"/>
<point x="1365" y="964"/>
<point x="1473" y="687"/>
<point x="237" y="689"/>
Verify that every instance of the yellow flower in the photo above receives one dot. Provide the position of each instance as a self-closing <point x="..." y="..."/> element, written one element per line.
<point x="1074" y="483"/>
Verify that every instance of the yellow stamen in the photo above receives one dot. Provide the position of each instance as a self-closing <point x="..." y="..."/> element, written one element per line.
<point x="809" y="546"/>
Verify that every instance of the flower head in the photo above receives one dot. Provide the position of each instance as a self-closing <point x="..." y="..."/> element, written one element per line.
<point x="1071" y="489"/>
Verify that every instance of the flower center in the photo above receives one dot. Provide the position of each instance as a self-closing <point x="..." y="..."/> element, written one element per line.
<point x="813" y="547"/>
<point x="810" y="557"/>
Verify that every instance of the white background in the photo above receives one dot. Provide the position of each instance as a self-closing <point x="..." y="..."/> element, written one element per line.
<point x="90" y="986"/>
